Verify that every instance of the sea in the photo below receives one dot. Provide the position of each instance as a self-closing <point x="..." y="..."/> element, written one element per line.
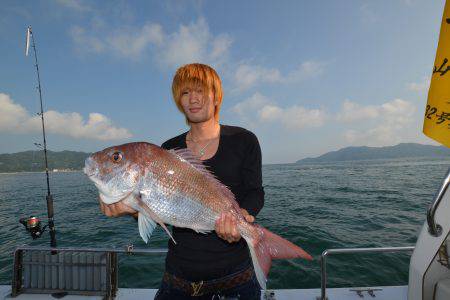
<point x="372" y="203"/>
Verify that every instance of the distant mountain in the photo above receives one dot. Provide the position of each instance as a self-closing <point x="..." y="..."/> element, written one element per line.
<point x="399" y="151"/>
<point x="33" y="161"/>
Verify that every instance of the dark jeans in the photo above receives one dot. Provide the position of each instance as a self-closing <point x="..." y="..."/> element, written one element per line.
<point x="249" y="290"/>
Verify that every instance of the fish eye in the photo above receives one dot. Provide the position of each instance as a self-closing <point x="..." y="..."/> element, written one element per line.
<point x="117" y="156"/>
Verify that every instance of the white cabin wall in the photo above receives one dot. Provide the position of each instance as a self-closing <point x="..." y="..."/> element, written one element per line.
<point x="422" y="283"/>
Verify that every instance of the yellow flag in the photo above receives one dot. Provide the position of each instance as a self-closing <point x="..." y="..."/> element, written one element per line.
<point x="437" y="112"/>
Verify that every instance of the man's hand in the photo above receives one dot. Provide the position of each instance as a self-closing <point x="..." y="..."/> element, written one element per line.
<point x="117" y="209"/>
<point x="226" y="226"/>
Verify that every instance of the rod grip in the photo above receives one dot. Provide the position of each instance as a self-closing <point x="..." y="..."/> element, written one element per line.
<point x="51" y="223"/>
<point x="49" y="206"/>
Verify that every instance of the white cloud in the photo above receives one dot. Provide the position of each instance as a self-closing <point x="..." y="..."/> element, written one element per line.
<point x="252" y="104"/>
<point x="86" y="42"/>
<point x="190" y="43"/>
<point x="220" y="46"/>
<point x="131" y="42"/>
<point x="247" y="76"/>
<point x="391" y="120"/>
<point x="398" y="111"/>
<point x="270" y="113"/>
<point x="76" y="5"/>
<point x="11" y="114"/>
<point x="352" y="111"/>
<point x="367" y="14"/>
<point x="293" y="117"/>
<point x="15" y="119"/>
<point x="377" y="124"/>
<point x="126" y="42"/>
<point x="259" y="109"/>
<point x="194" y="43"/>
<point x="308" y="69"/>
<point x="420" y="86"/>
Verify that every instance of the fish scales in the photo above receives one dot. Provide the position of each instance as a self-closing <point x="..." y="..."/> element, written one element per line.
<point x="189" y="181"/>
<point x="177" y="196"/>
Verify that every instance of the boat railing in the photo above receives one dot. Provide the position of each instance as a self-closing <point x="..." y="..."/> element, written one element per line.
<point x="328" y="252"/>
<point x="433" y="228"/>
<point x="131" y="250"/>
<point x="69" y="270"/>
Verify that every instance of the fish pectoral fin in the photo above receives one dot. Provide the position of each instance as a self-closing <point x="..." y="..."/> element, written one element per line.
<point x="154" y="217"/>
<point x="146" y="226"/>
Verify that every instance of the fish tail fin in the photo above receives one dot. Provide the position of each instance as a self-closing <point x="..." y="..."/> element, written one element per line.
<point x="146" y="226"/>
<point x="265" y="246"/>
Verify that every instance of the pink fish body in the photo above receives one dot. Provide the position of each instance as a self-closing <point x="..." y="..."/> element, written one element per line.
<point x="174" y="187"/>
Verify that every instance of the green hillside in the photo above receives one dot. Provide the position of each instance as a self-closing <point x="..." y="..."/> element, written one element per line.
<point x="33" y="161"/>
<point x="390" y="152"/>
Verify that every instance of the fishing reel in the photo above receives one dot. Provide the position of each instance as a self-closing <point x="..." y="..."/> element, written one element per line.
<point x="34" y="226"/>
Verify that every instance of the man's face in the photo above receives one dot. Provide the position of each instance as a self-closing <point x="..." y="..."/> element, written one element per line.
<point x="197" y="104"/>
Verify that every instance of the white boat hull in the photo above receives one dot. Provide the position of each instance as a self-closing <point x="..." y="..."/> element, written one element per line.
<point x="381" y="293"/>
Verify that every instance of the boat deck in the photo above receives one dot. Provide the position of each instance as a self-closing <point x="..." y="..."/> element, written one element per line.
<point x="380" y="293"/>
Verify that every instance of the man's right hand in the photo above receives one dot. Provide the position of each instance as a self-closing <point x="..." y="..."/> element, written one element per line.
<point x="117" y="209"/>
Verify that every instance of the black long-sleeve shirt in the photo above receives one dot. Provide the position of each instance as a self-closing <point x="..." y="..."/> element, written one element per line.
<point x="237" y="164"/>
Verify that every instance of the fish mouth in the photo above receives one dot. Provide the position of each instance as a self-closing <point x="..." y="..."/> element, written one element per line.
<point x="88" y="173"/>
<point x="90" y="167"/>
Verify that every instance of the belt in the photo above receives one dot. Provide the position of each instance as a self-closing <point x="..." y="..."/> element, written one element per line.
<point x="200" y="288"/>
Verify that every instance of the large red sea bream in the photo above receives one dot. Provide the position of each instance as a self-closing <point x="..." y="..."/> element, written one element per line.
<point x="174" y="187"/>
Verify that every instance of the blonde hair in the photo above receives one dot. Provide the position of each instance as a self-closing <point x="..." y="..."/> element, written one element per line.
<point x="196" y="74"/>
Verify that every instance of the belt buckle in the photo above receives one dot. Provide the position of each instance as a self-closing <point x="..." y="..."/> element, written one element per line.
<point x="196" y="287"/>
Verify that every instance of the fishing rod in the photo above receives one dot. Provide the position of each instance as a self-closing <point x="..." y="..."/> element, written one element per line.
<point x="32" y="224"/>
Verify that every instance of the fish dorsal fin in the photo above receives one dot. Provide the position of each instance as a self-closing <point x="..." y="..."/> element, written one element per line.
<point x="191" y="158"/>
<point x="187" y="155"/>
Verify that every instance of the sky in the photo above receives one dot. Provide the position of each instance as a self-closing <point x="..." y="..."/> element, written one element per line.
<point x="307" y="77"/>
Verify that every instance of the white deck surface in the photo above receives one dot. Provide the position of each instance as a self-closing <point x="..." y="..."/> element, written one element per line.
<point x="387" y="293"/>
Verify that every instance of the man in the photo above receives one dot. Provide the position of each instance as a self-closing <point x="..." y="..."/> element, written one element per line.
<point x="217" y="264"/>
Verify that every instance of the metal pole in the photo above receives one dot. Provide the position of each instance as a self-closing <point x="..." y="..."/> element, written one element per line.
<point x="49" y="197"/>
<point x="323" y="261"/>
<point x="323" y="279"/>
<point x="127" y="250"/>
<point x="433" y="228"/>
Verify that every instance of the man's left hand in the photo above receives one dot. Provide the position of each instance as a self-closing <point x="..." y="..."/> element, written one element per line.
<point x="226" y="226"/>
<point x="117" y="209"/>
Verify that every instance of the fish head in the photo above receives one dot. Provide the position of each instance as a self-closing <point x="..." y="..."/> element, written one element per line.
<point x="115" y="171"/>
